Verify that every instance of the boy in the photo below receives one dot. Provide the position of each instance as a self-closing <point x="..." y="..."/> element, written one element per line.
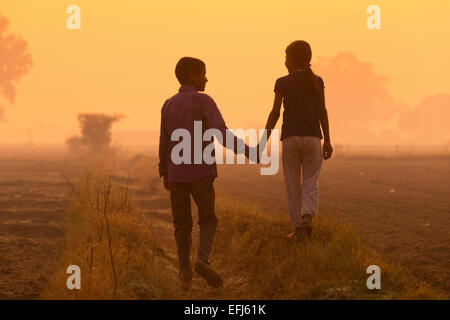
<point x="191" y="177"/>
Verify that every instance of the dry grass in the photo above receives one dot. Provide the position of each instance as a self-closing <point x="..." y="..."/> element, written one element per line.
<point x="112" y="243"/>
<point x="330" y="266"/>
<point x="120" y="258"/>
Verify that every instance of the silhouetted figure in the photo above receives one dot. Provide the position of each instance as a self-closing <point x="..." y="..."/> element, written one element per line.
<point x="186" y="179"/>
<point x="302" y="94"/>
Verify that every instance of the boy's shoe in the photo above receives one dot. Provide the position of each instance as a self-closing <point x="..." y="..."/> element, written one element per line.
<point x="185" y="281"/>
<point x="211" y="277"/>
<point x="185" y="285"/>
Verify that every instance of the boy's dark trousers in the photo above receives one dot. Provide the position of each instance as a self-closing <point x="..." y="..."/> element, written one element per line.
<point x="203" y="193"/>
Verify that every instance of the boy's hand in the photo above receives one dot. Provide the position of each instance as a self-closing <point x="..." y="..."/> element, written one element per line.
<point x="166" y="183"/>
<point x="327" y="150"/>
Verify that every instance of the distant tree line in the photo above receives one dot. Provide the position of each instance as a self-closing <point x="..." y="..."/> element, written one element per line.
<point x="95" y="133"/>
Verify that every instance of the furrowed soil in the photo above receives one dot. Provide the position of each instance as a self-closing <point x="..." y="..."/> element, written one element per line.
<point x="401" y="206"/>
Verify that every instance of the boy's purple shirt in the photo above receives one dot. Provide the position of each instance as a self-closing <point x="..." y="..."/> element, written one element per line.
<point x="180" y="111"/>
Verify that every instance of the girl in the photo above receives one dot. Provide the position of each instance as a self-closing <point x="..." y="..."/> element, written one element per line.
<point x="302" y="94"/>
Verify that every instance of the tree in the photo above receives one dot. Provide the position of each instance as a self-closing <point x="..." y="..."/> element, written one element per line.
<point x="95" y="132"/>
<point x="357" y="98"/>
<point x="15" y="62"/>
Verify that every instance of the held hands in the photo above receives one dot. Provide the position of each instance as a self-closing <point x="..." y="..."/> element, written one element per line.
<point x="327" y="150"/>
<point x="260" y="148"/>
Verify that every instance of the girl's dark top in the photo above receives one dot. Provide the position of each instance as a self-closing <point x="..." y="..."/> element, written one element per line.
<point x="301" y="108"/>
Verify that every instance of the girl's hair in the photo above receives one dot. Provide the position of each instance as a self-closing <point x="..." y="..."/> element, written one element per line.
<point x="300" y="53"/>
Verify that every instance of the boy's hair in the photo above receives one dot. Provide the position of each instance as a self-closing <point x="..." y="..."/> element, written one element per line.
<point x="186" y="65"/>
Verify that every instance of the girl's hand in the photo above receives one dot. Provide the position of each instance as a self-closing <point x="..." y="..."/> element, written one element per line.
<point x="327" y="150"/>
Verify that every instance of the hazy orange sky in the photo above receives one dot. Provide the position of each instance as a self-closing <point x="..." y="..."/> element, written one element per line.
<point x="123" y="58"/>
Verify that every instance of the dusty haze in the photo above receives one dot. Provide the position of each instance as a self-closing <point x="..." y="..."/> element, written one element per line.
<point x="388" y="86"/>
